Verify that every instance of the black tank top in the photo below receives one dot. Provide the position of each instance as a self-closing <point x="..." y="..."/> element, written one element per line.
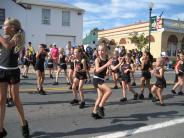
<point x="78" y="64"/>
<point x="102" y="74"/>
<point x="40" y="60"/>
<point x="124" y="67"/>
<point x="8" y="59"/>
<point x="62" y="60"/>
<point x="115" y="61"/>
<point x="147" y="66"/>
<point x="181" y="67"/>
<point x="158" y="78"/>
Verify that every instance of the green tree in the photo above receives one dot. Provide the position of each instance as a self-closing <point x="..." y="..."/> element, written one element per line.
<point x="139" y="40"/>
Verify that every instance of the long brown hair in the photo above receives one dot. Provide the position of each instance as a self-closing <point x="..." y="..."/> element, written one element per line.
<point x="19" y="33"/>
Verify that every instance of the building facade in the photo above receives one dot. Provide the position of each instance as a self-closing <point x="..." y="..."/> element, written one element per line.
<point x="168" y="38"/>
<point x="91" y="39"/>
<point x="45" y="21"/>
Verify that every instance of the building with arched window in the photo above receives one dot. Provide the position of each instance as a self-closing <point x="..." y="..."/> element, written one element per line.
<point x="169" y="38"/>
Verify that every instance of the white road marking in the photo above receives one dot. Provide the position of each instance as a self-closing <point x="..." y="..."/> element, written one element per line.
<point x="142" y="129"/>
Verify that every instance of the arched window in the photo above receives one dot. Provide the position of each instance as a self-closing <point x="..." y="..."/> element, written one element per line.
<point x="152" y="39"/>
<point x="182" y="43"/>
<point x="112" y="42"/>
<point x="172" y="45"/>
<point x="122" y="41"/>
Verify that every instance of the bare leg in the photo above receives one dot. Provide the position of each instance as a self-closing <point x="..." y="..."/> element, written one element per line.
<point x="107" y="92"/>
<point x="99" y="98"/>
<point x="3" y="95"/>
<point x="18" y="104"/>
<point x="74" y="87"/>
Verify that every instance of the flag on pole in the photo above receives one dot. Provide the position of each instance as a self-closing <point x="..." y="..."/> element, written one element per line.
<point x="158" y="22"/>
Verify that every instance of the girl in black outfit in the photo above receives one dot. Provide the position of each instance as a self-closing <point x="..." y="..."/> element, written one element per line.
<point x="71" y="58"/>
<point x="160" y="84"/>
<point x="126" y="68"/>
<point x="80" y="77"/>
<point x="40" y="69"/>
<point x="115" y="73"/>
<point x="179" y="68"/>
<point x="146" y="66"/>
<point x="10" y="46"/>
<point x="62" y="66"/>
<point x="50" y="65"/>
<point x="103" y="90"/>
<point x="26" y="63"/>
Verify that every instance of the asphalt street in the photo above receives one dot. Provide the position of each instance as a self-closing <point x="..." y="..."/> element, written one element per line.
<point x="51" y="115"/>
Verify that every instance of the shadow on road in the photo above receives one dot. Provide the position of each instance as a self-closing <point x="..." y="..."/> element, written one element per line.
<point x="83" y="131"/>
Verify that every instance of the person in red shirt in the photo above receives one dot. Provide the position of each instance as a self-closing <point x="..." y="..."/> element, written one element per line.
<point x="55" y="54"/>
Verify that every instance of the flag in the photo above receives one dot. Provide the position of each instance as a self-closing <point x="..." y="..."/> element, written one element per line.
<point x="158" y="22"/>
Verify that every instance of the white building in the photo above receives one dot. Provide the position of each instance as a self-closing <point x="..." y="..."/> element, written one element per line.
<point x="45" y="21"/>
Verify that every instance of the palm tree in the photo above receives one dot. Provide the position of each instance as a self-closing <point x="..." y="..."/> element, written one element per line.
<point x="139" y="40"/>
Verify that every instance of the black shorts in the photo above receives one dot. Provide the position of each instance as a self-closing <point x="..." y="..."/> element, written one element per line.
<point x="97" y="81"/>
<point x="127" y="79"/>
<point x="50" y="66"/>
<point x="10" y="76"/>
<point x="146" y="75"/>
<point x="81" y="75"/>
<point x="161" y="83"/>
<point x="27" y="63"/>
<point x="63" y="66"/>
<point x="71" y="64"/>
<point x="180" y="74"/>
<point x="115" y="71"/>
<point x="40" y="68"/>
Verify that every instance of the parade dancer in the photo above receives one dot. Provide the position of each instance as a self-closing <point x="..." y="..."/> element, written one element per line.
<point x="146" y="66"/>
<point x="179" y="68"/>
<point x="10" y="46"/>
<point x="62" y="65"/>
<point x="103" y="90"/>
<point x="126" y="68"/>
<point x="71" y="58"/>
<point x="115" y="72"/>
<point x="160" y="84"/>
<point x="40" y="69"/>
<point x="80" y="77"/>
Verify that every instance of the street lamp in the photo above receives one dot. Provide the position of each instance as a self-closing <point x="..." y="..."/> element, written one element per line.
<point x="150" y="10"/>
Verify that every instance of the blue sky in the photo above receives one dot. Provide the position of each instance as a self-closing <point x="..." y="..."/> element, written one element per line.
<point x="106" y="14"/>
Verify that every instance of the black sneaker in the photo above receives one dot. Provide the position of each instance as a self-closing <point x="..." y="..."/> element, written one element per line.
<point x="55" y="83"/>
<point x="162" y="104"/>
<point x="70" y="87"/>
<point x="74" y="101"/>
<point x="100" y="112"/>
<point x="82" y="105"/>
<point x="115" y="87"/>
<point x="155" y="99"/>
<point x="173" y="91"/>
<point x="42" y="92"/>
<point x="150" y="96"/>
<point x="3" y="133"/>
<point x="135" y="96"/>
<point x="25" y="131"/>
<point x="95" y="116"/>
<point x="10" y="102"/>
<point x="141" y="96"/>
<point x="133" y="84"/>
<point x="124" y="99"/>
<point x="180" y="93"/>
